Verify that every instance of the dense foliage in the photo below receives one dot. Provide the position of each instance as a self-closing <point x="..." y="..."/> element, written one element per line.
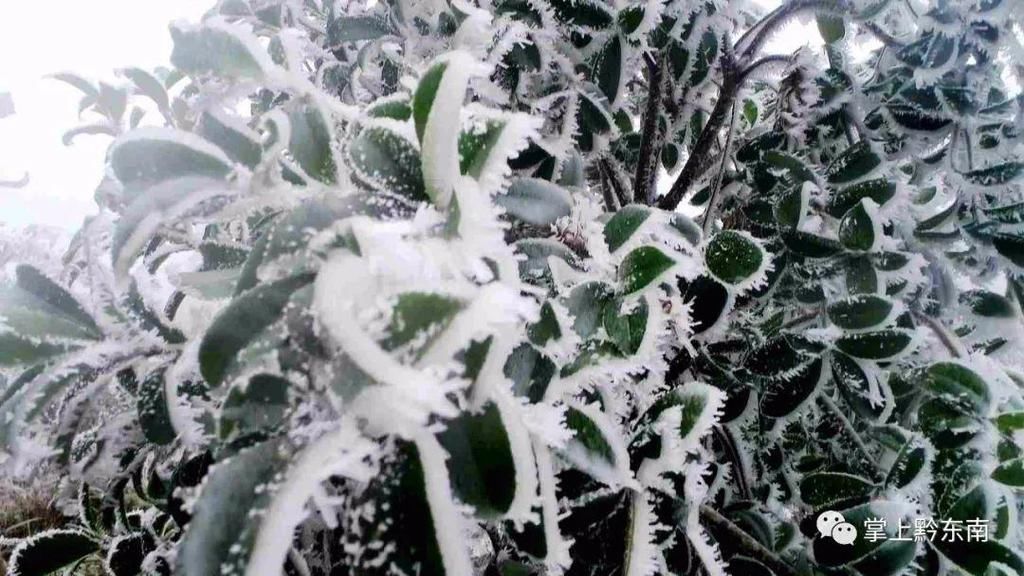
<point x="395" y="290"/>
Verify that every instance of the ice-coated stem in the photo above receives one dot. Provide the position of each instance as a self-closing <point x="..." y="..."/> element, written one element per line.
<point x="752" y="547"/>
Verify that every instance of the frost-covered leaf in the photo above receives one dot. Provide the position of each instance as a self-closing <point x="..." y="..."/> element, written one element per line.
<point x="254" y="406"/>
<point x="535" y="201"/>
<point x="157" y="206"/>
<point x="626" y="328"/>
<point x="734" y="257"/>
<point x="49" y="552"/>
<point x="127" y="553"/>
<point x="878" y="345"/>
<point x="154" y="413"/>
<point x="834" y="490"/>
<point x="481" y="466"/>
<point x="231" y="135"/>
<point x="784" y="394"/>
<point x="880" y="190"/>
<point x="151" y="155"/>
<point x="859" y="230"/>
<point x="811" y="245"/>
<point x="995" y="175"/>
<point x="855" y="163"/>
<point x="643" y="266"/>
<point x="311" y="144"/>
<point x="219" y="536"/>
<point x="246" y="316"/>
<point x="624" y="224"/>
<point x="608" y="66"/>
<point x="357" y="28"/>
<point x="909" y="464"/>
<point x="988" y="304"/>
<point x="860" y="312"/>
<point x="868" y="396"/>
<point x="218" y="48"/>
<point x="388" y="160"/>
<point x="418" y="314"/>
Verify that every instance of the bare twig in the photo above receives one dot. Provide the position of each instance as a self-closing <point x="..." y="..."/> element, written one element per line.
<point x="709" y="214"/>
<point x="613" y="178"/>
<point x="948" y="340"/>
<point x="854" y="435"/>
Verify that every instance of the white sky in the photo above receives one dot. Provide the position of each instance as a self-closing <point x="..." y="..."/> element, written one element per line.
<point x="94" y="38"/>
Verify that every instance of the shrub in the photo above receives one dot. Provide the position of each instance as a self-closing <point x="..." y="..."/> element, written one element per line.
<point x="394" y="290"/>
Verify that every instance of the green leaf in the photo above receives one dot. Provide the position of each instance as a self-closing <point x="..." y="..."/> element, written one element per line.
<point x="426" y="92"/>
<point x="224" y="50"/>
<point x="149" y="86"/>
<point x="831" y="28"/>
<point x="608" y="69"/>
<point x="880" y="190"/>
<point x="1010" y="422"/>
<point x="417" y="313"/>
<point x="783" y="395"/>
<point x="257" y="405"/>
<point x="988" y="304"/>
<point x="1010" y="473"/>
<point x="166" y="201"/>
<point x="34" y="282"/>
<point x="1010" y="246"/>
<point x="586" y="304"/>
<point x="641" y="267"/>
<point x="859" y="230"/>
<point x="50" y="551"/>
<point x="810" y="245"/>
<point x="154" y="414"/>
<point x="588" y="436"/>
<point x="909" y="463"/>
<point x="151" y="155"/>
<point x="231" y="135"/>
<point x="879" y="345"/>
<point x="535" y="201"/>
<point x="624" y="224"/>
<point x="481" y="466"/>
<point x="947" y="424"/>
<point x="860" y="312"/>
<point x="834" y="490"/>
<point x="854" y="163"/>
<point x="127" y="553"/>
<point x="957" y="382"/>
<point x="536" y="268"/>
<point x="389" y="161"/>
<point x="530" y="372"/>
<point x="477" y="145"/>
<point x="221" y="532"/>
<point x="792" y="207"/>
<point x="310" y="143"/>
<point x="398" y="106"/>
<point x="243" y="319"/>
<point x="626" y="330"/>
<point x="358" y="28"/>
<point x="734" y="257"/>
<point x="854" y="385"/>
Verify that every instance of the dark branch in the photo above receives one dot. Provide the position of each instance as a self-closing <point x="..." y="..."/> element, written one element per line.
<point x="750" y="546"/>
<point x="700" y="153"/>
<point x="613" y="178"/>
<point x="643" y="188"/>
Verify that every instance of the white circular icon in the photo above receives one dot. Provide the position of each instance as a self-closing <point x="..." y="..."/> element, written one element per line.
<point x="844" y="533"/>
<point x="827" y="520"/>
